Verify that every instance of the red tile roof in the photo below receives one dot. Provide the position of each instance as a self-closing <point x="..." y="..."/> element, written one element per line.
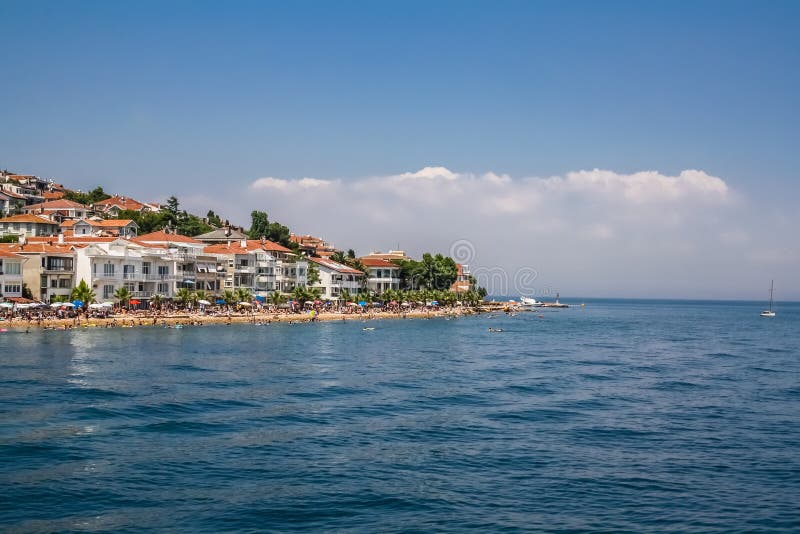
<point x="235" y="247"/>
<point x="27" y="219"/>
<point x="378" y="262"/>
<point x="38" y="248"/>
<point x="338" y="267"/>
<point x="8" y="254"/>
<point x="163" y="237"/>
<point x="124" y="203"/>
<point x="61" y="203"/>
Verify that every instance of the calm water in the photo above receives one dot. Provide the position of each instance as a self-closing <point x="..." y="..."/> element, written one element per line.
<point x="623" y="416"/>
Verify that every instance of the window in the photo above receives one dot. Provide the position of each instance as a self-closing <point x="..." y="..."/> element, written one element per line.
<point x="108" y="269"/>
<point x="163" y="288"/>
<point x="145" y="267"/>
<point x="59" y="264"/>
<point x="108" y="290"/>
<point x="12" y="288"/>
<point x="65" y="283"/>
<point x="128" y="270"/>
<point x="163" y="270"/>
<point x="53" y="283"/>
<point x="11" y="268"/>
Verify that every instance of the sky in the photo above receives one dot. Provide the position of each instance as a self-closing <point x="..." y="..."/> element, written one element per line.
<point x="632" y="149"/>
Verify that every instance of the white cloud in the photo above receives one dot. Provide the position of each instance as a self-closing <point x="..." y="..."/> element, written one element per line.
<point x="281" y="184"/>
<point x="589" y="231"/>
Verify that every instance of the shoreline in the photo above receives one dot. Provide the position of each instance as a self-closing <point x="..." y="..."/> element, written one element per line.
<point x="188" y="319"/>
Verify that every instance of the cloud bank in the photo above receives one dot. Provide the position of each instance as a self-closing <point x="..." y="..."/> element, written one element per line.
<point x="590" y="232"/>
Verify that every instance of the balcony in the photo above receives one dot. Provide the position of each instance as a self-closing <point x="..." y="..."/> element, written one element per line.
<point x="245" y="270"/>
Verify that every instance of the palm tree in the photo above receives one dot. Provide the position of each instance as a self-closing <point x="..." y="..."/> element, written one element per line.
<point x="156" y="300"/>
<point x="345" y="296"/>
<point x="201" y="295"/>
<point x="123" y="295"/>
<point x="229" y="296"/>
<point x="244" y="295"/>
<point x="300" y="294"/>
<point x="277" y="298"/>
<point x="83" y="293"/>
<point x="183" y="297"/>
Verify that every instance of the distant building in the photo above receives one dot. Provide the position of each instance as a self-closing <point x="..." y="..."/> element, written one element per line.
<point x="112" y="206"/>
<point x="463" y="280"/>
<point x="27" y="225"/>
<point x="383" y="274"/>
<point x="50" y="269"/>
<point x="58" y="210"/>
<point x="11" y="274"/>
<point x="388" y="256"/>
<point x="221" y="235"/>
<point x="11" y="203"/>
<point x="102" y="227"/>
<point x="336" y="277"/>
<point x="261" y="266"/>
<point x="314" y="246"/>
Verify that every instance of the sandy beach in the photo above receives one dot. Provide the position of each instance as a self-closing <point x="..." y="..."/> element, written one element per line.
<point x="128" y="320"/>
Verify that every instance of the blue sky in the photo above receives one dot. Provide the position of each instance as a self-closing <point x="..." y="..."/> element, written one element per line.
<point x="188" y="98"/>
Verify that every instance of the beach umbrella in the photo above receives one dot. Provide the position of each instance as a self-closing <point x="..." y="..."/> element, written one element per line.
<point x="77" y="303"/>
<point x="434" y="303"/>
<point x="6" y="304"/>
<point x="393" y="303"/>
<point x="56" y="304"/>
<point x="245" y="304"/>
<point x="95" y="306"/>
<point x="259" y="298"/>
<point x="107" y="304"/>
<point x="352" y="304"/>
<point x="134" y="302"/>
<point x="362" y="302"/>
<point x="204" y="302"/>
<point x="220" y="301"/>
<point x="406" y="304"/>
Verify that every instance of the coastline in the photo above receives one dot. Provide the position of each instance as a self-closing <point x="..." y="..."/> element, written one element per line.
<point x="189" y="319"/>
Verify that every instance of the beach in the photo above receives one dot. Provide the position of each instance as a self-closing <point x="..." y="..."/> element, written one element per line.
<point x="129" y="320"/>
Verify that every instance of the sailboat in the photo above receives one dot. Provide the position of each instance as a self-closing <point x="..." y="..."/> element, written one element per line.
<point x="769" y="312"/>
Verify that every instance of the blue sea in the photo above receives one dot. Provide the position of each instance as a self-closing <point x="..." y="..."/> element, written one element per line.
<point x="621" y="416"/>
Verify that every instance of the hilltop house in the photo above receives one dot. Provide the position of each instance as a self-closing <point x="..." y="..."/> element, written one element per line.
<point x="101" y="227"/>
<point x="58" y="210"/>
<point x="27" y="225"/>
<point x="336" y="277"/>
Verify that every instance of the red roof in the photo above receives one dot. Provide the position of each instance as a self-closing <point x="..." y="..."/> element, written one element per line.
<point x="235" y="247"/>
<point x="163" y="237"/>
<point x="7" y="254"/>
<point x="27" y="219"/>
<point x="36" y="248"/>
<point x="338" y="267"/>
<point x="124" y="203"/>
<point x="378" y="262"/>
<point x="61" y="203"/>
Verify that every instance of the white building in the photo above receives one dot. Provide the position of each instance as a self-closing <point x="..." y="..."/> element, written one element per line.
<point x="383" y="274"/>
<point x="260" y="266"/>
<point x="335" y="277"/>
<point x="11" y="274"/>
<point x="144" y="271"/>
<point x="194" y="269"/>
<point x="27" y="225"/>
<point x="50" y="269"/>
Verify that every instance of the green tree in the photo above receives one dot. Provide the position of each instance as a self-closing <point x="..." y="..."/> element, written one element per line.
<point x="156" y="300"/>
<point x="229" y="296"/>
<point x="213" y="219"/>
<point x="312" y="275"/>
<point x="277" y="298"/>
<point x="123" y="295"/>
<point x="243" y="295"/>
<point x="10" y="238"/>
<point x="184" y="297"/>
<point x="260" y="226"/>
<point x="83" y="293"/>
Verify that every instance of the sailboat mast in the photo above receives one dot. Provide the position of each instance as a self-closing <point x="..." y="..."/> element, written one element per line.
<point x="771" y="287"/>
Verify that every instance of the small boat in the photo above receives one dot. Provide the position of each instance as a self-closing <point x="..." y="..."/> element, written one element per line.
<point x="769" y="312"/>
<point x="368" y="328"/>
<point x="529" y="301"/>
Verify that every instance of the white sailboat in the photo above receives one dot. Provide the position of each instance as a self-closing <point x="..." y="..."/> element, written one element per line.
<point x="769" y="312"/>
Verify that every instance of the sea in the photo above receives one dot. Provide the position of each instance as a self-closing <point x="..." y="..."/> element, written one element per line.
<point x="616" y="416"/>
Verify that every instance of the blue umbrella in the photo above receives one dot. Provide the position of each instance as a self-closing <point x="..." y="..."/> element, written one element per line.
<point x="220" y="301"/>
<point x="77" y="303"/>
<point x="435" y="302"/>
<point x="362" y="303"/>
<point x="259" y="298"/>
